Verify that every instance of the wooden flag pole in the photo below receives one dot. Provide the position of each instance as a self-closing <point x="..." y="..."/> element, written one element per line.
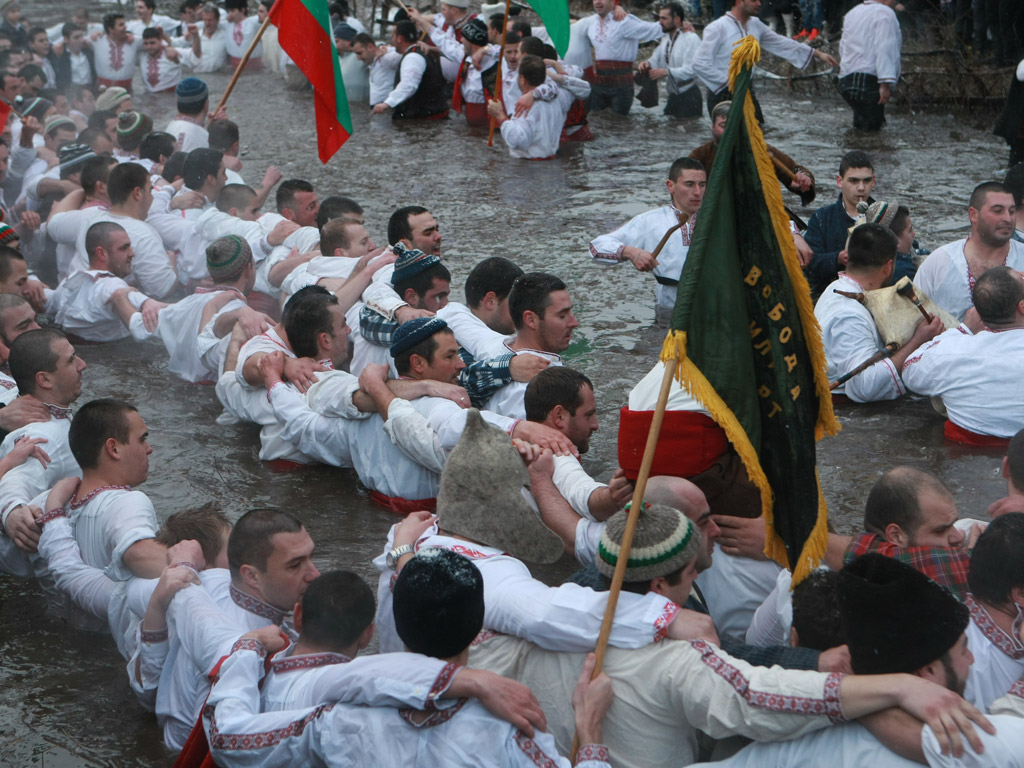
<point x="501" y="63"/>
<point x="244" y="61"/>
<point x="631" y="521"/>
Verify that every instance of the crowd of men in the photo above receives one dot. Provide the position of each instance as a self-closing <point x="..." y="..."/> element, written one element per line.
<point x="456" y="412"/>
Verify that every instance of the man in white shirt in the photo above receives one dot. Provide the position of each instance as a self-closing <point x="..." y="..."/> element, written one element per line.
<point x="193" y="104"/>
<point x="535" y="135"/>
<point x="212" y="43"/>
<point x="418" y="92"/>
<point x="672" y="61"/>
<point x="382" y="63"/>
<point x="947" y="276"/>
<point x="160" y="64"/>
<point x="870" y="55"/>
<point x="115" y="53"/>
<point x="147" y="18"/>
<point x="977" y="375"/>
<point x="241" y="30"/>
<point x="478" y="65"/>
<point x="637" y="238"/>
<point x="848" y="331"/>
<point x="711" y="63"/>
<point x="83" y="303"/>
<point x="615" y="43"/>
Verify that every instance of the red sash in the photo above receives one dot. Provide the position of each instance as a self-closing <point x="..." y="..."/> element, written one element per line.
<point x="688" y="445"/>
<point x="402" y="506"/>
<point x="957" y="434"/>
<point x="457" y="100"/>
<point x="612" y="74"/>
<point x="281" y="466"/>
<point x="476" y="113"/>
<point x="103" y="82"/>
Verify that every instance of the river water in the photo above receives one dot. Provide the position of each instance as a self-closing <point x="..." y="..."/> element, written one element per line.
<point x="64" y="699"/>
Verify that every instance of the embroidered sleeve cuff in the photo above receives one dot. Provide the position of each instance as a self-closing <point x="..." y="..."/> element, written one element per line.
<point x="598" y="752"/>
<point x="186" y="564"/>
<point x="51" y="515"/>
<point x="661" y="624"/>
<point x="833" y="703"/>
<point x="272" y="387"/>
<point x="1017" y="689"/>
<point x="512" y="428"/>
<point x="153" y="636"/>
<point x="442" y="684"/>
<point x="250" y="644"/>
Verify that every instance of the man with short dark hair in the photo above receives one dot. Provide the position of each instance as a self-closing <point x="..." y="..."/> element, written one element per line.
<point x="241" y="29"/>
<point x="296" y="201"/>
<point x="949" y="273"/>
<point x="672" y="61"/>
<point x="203" y="173"/>
<point x="1013" y="471"/>
<point x="161" y="64"/>
<point x="637" y="238"/>
<point x="848" y="331"/>
<point x="46" y="368"/>
<point x="224" y="136"/>
<point x="83" y="304"/>
<point x="870" y="54"/>
<point x="76" y="211"/>
<point x="535" y="135"/>
<point x="147" y="18"/>
<point x="115" y="53"/>
<point x="75" y="64"/>
<point x="976" y="375"/>
<point x="829" y="226"/>
<point x="418" y="92"/>
<point x="212" y="43"/>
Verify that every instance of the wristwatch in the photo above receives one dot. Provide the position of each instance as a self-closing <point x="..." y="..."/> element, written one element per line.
<point x="392" y="557"/>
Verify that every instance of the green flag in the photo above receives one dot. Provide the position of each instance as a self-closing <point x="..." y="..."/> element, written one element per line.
<point x="744" y="334"/>
<point x="555" y="15"/>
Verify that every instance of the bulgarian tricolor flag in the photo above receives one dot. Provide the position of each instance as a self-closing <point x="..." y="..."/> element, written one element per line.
<point x="304" y="32"/>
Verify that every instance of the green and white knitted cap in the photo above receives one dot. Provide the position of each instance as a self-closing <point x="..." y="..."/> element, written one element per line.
<point x="665" y="540"/>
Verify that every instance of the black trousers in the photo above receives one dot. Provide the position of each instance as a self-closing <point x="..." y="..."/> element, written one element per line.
<point x="860" y="91"/>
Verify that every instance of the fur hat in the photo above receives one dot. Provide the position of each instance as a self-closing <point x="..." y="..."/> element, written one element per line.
<point x="480" y="496"/>
<point x="111" y="97"/>
<point x="412" y="332"/>
<point x="344" y="31"/>
<point x="894" y="618"/>
<point x="664" y="541"/>
<point x="438" y="603"/>
<point x="410" y="262"/>
<point x="721" y="110"/>
<point x="475" y="31"/>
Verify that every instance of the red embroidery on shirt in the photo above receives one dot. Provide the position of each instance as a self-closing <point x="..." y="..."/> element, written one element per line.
<point x="77" y="503"/>
<point x="153" y="70"/>
<point x="238" y="34"/>
<point x="116" y="54"/>
<point x="435" y="718"/>
<point x="593" y="752"/>
<point x="444" y="679"/>
<point x="264" y="739"/>
<point x="667" y="616"/>
<point x="774" y="702"/>
<point x="256" y="606"/>
<point x="532" y="751"/>
<point x="307" y="661"/>
<point x="993" y="633"/>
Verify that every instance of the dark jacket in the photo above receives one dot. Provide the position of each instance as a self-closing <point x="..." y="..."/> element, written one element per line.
<point x="826" y="234"/>
<point x="62" y="68"/>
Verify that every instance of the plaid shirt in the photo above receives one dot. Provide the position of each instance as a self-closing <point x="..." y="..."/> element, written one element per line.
<point x="480" y="378"/>
<point x="946" y="566"/>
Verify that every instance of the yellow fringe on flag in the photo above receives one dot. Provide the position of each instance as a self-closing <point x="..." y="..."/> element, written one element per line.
<point x="690" y="378"/>
<point x="746" y="53"/>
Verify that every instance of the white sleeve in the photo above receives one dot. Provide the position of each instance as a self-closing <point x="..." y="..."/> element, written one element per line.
<point x="412" y="69"/>
<point x="450" y="421"/>
<point x="518" y="132"/>
<point x="769" y="625"/>
<point x="204" y="631"/>
<point x="567" y="617"/>
<point x="887" y="50"/>
<point x="64" y="227"/>
<point x="578" y="87"/>
<point x="88" y="587"/>
<point x="850" y="340"/>
<point x="130" y="519"/>
<point x="385" y="680"/>
<point x="412" y="434"/>
<point x="380" y="296"/>
<point x="172" y="227"/>
<point x="923" y="371"/>
<point x="450" y="47"/>
<point x="797" y="54"/>
<point x="588" y="537"/>
<point x="643" y="31"/>
<point x="23" y="483"/>
<point x="575" y="485"/>
<point x="332" y="395"/>
<point x="704" y="59"/>
<point x="1005" y="749"/>
<point x="151" y="267"/>
<point x="608" y="248"/>
<point x="321" y="437"/>
<point x="684" y="72"/>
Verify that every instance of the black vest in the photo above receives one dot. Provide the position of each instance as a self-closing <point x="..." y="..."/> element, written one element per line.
<point x="429" y="99"/>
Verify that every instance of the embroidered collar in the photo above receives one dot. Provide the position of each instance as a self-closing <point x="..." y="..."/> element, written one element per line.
<point x="58" y="411"/>
<point x="306" y="661"/>
<point x="1008" y="644"/>
<point x="189" y="119"/>
<point x="256" y="606"/>
<point x="327" y="363"/>
<point x="78" y="503"/>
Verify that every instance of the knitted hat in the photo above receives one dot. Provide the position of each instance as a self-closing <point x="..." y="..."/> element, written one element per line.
<point x="475" y="31"/>
<point x="227" y="257"/>
<point x="54" y="122"/>
<point x="132" y="127"/>
<point x="721" y="110"/>
<point x="438" y="603"/>
<point x="664" y="541"/>
<point x="411" y="333"/>
<point x="111" y="97"/>
<point x="480" y="495"/>
<point x="191" y="92"/>
<point x="881" y="212"/>
<point x="344" y="31"/>
<point x="36" y="107"/>
<point x="7" y="235"/>
<point x="71" y="156"/>
<point x="894" y="618"/>
<point x="410" y="262"/>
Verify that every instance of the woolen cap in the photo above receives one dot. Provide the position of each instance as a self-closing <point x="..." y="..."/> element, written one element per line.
<point x="664" y="541"/>
<point x="192" y="92"/>
<point x="111" y="97"/>
<point x="73" y="155"/>
<point x="344" y="31"/>
<point x="227" y="257"/>
<point x="894" y="618"/>
<point x="475" y="31"/>
<point x="881" y="212"/>
<point x="53" y="122"/>
<point x="132" y="126"/>
<point x="410" y="262"/>
<point x="7" y="234"/>
<point x="412" y="332"/>
<point x="35" y="107"/>
<point x="438" y="603"/>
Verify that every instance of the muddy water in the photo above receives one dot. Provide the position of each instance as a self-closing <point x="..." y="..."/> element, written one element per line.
<point x="64" y="701"/>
